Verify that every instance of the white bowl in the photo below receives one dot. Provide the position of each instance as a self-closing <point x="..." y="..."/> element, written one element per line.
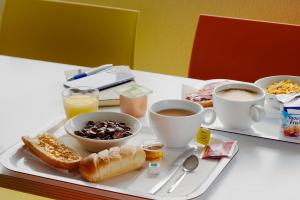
<point x="93" y="145"/>
<point x="267" y="81"/>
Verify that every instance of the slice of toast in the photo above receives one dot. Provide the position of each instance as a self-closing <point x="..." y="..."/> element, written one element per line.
<point x="50" y="150"/>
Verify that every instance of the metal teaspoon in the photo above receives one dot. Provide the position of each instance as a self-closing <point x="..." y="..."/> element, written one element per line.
<point x="189" y="165"/>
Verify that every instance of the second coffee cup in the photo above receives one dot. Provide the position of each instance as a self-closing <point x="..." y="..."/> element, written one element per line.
<point x="239" y="105"/>
<point x="176" y="122"/>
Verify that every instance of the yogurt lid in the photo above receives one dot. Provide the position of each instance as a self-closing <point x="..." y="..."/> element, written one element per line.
<point x="134" y="91"/>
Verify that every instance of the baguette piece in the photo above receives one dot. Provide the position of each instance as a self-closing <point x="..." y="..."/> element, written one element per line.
<point x="50" y="150"/>
<point x="112" y="162"/>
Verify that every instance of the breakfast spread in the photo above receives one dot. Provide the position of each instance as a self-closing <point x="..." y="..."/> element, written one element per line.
<point x="133" y="100"/>
<point x="104" y="130"/>
<point x="118" y="160"/>
<point x="283" y="87"/>
<point x="51" y="151"/>
<point x="111" y="162"/>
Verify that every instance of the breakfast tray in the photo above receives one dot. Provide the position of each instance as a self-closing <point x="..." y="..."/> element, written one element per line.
<point x="269" y="127"/>
<point x="132" y="185"/>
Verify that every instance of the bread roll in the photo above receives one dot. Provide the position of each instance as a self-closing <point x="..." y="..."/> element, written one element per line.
<point x="112" y="162"/>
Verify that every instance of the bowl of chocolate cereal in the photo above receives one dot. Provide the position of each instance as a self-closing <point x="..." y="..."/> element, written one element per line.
<point x="278" y="85"/>
<point x="101" y="130"/>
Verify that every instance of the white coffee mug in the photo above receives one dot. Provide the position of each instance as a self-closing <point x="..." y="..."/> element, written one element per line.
<point x="178" y="131"/>
<point x="239" y="114"/>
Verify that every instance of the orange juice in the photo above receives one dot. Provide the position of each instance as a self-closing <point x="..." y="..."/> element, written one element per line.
<point x="78" y="104"/>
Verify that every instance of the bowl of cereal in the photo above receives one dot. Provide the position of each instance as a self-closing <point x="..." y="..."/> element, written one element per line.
<point x="96" y="131"/>
<point x="278" y="85"/>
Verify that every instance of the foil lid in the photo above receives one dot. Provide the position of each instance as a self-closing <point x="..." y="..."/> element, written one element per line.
<point x="134" y="91"/>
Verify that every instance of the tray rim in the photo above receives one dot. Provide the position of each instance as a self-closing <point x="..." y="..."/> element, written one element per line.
<point x="4" y="160"/>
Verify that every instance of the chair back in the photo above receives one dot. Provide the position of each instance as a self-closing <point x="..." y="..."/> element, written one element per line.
<point x="244" y="50"/>
<point x="71" y="33"/>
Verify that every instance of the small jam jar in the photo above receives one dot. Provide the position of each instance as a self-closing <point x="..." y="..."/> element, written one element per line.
<point x="133" y="100"/>
<point x="154" y="150"/>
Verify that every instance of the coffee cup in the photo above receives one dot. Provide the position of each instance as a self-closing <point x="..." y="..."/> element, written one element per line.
<point x="239" y="105"/>
<point x="176" y="122"/>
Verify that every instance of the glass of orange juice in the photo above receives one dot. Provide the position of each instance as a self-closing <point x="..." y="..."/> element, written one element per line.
<point x="80" y="100"/>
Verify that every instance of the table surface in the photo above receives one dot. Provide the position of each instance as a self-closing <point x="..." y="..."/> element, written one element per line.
<point x="31" y="98"/>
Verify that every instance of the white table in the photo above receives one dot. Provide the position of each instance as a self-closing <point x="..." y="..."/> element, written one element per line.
<point x="31" y="98"/>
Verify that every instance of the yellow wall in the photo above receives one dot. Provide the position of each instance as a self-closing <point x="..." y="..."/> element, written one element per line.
<point x="166" y="27"/>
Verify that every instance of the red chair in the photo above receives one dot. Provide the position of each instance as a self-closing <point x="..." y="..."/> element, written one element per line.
<point x="244" y="49"/>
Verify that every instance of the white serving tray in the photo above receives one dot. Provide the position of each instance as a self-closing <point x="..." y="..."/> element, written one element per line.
<point x="137" y="183"/>
<point x="269" y="128"/>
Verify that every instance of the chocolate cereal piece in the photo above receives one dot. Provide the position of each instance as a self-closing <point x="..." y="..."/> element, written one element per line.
<point x="104" y="130"/>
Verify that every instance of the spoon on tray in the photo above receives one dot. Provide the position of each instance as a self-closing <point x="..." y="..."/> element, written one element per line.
<point x="189" y="165"/>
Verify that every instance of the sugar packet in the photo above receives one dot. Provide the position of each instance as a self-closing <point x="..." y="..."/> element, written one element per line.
<point x="218" y="151"/>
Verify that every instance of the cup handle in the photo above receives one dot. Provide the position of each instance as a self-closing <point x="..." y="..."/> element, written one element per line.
<point x="257" y="113"/>
<point x="208" y="116"/>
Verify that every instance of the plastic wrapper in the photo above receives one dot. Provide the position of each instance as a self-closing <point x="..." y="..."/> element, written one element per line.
<point x="218" y="151"/>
